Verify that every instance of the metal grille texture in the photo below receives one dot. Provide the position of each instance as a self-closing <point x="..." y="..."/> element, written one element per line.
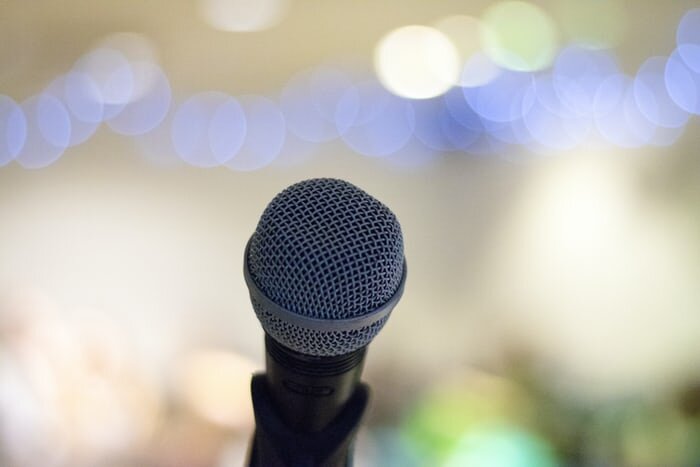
<point x="327" y="250"/>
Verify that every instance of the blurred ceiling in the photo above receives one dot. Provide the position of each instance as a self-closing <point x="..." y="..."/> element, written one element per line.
<point x="46" y="37"/>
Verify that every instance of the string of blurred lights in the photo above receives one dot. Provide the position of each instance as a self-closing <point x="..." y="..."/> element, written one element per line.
<point x="477" y="86"/>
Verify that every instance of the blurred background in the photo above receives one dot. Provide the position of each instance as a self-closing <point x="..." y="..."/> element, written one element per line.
<point x="541" y="156"/>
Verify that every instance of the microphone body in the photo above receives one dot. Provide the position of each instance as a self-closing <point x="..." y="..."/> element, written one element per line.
<point x="310" y="391"/>
<point x="277" y="445"/>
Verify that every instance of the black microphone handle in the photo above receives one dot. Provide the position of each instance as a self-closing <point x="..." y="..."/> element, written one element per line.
<point x="309" y="391"/>
<point x="276" y="445"/>
<point x="307" y="409"/>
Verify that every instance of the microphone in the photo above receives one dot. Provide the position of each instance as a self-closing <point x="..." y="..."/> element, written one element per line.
<point x="324" y="267"/>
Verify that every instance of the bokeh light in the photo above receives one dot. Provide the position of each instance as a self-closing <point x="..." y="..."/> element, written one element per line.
<point x="617" y="116"/>
<point x="13" y="129"/>
<point x="327" y="84"/>
<point x="688" y="39"/>
<point x="48" y="131"/>
<point x="579" y="213"/>
<point x="577" y="75"/>
<point x="465" y="32"/>
<point x="378" y="123"/>
<point x="463" y="405"/>
<point x="112" y="76"/>
<point x="433" y="123"/>
<point x="227" y="130"/>
<point x="208" y="129"/>
<point x="309" y="102"/>
<point x="513" y="132"/>
<point x="478" y="71"/>
<point x="682" y="83"/>
<point x="417" y="62"/>
<point x="135" y="48"/>
<point x="265" y="134"/>
<point x="550" y="122"/>
<point x="519" y="36"/>
<point x="79" y="92"/>
<point x="501" y="446"/>
<point x="74" y="91"/>
<point x="71" y="392"/>
<point x="122" y="69"/>
<point x="501" y="100"/>
<point x="120" y="83"/>
<point x="148" y="109"/>
<point x="470" y="135"/>
<point x="391" y="449"/>
<point x="593" y="24"/>
<point x="243" y="15"/>
<point x="652" y="95"/>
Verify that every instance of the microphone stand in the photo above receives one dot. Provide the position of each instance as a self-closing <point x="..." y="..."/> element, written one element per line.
<point x="275" y="444"/>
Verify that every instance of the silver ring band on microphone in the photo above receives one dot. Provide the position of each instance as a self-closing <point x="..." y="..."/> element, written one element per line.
<point x="323" y="325"/>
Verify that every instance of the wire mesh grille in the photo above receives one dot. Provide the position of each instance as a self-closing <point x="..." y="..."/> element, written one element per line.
<point x="325" y="249"/>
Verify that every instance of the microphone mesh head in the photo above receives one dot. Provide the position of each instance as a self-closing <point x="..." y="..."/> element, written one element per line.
<point x="327" y="250"/>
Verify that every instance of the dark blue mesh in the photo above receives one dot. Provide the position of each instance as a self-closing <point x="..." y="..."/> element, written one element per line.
<point x="325" y="249"/>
